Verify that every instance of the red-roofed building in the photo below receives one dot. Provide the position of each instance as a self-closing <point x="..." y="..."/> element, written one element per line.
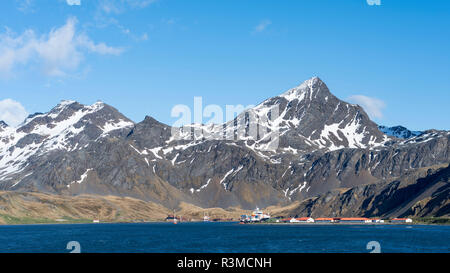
<point x="305" y="220"/>
<point x="324" y="220"/>
<point x="298" y="220"/>
<point x="356" y="220"/>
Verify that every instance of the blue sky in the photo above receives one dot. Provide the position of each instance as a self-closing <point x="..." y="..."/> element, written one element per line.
<point x="145" y="56"/>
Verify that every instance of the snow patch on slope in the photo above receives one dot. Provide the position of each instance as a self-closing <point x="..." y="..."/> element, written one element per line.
<point x="82" y="178"/>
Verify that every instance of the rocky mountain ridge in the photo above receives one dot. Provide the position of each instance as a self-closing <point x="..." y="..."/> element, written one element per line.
<point x="324" y="144"/>
<point x="399" y="132"/>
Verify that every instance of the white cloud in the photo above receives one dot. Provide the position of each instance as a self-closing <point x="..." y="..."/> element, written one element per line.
<point x="373" y="106"/>
<point x="74" y="2"/>
<point x="58" y="52"/>
<point x="25" y="6"/>
<point x="109" y="7"/>
<point x="128" y="32"/>
<point x="140" y="3"/>
<point x="100" y="48"/>
<point x="144" y="37"/>
<point x="12" y="112"/>
<point x="119" y="6"/>
<point x="262" y="25"/>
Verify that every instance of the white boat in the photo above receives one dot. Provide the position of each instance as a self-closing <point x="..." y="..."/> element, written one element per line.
<point x="175" y="220"/>
<point x="259" y="216"/>
<point x="205" y="218"/>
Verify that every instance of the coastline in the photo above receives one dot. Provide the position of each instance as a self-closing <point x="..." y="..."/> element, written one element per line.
<point x="418" y="223"/>
<point x="352" y="224"/>
<point x="79" y="222"/>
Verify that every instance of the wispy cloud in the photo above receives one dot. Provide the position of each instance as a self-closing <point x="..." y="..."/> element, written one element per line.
<point x="262" y="26"/>
<point x="119" y="6"/>
<point x="25" y="6"/>
<point x="107" y="12"/>
<point x="12" y="112"/>
<point x="373" y="106"/>
<point x="129" y="33"/>
<point x="58" y="52"/>
<point x="28" y="6"/>
<point x="143" y="37"/>
<point x="73" y="2"/>
<point x="140" y="3"/>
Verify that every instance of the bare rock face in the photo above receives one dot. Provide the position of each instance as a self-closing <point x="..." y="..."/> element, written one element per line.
<point x="324" y="145"/>
<point x="419" y="193"/>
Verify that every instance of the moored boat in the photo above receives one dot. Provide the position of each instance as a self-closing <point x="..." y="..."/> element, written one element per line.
<point x="206" y="218"/>
<point x="257" y="216"/>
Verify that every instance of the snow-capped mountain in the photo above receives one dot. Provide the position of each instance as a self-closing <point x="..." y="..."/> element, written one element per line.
<point x="399" y="132"/>
<point x="67" y="127"/>
<point x="324" y="144"/>
<point x="310" y="116"/>
<point x="307" y="118"/>
<point x="3" y="124"/>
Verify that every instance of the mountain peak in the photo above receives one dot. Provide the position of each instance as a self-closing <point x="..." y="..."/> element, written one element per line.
<point x="309" y="89"/>
<point x="314" y="79"/>
<point x="151" y="120"/>
<point x="66" y="102"/>
<point x="3" y="124"/>
<point x="311" y="111"/>
<point x="69" y="114"/>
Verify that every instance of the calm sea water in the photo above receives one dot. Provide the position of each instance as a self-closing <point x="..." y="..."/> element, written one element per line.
<point x="223" y="237"/>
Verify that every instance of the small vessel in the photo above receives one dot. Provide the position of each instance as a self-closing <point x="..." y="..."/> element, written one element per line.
<point x="175" y="220"/>
<point x="245" y="219"/>
<point x="206" y="218"/>
<point x="259" y="216"/>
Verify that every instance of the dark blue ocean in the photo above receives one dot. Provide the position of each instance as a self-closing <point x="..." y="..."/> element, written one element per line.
<point x="223" y="237"/>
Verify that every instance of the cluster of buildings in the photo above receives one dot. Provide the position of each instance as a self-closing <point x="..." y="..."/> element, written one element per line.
<point x="298" y="220"/>
<point x="359" y="220"/>
<point x="260" y="216"/>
